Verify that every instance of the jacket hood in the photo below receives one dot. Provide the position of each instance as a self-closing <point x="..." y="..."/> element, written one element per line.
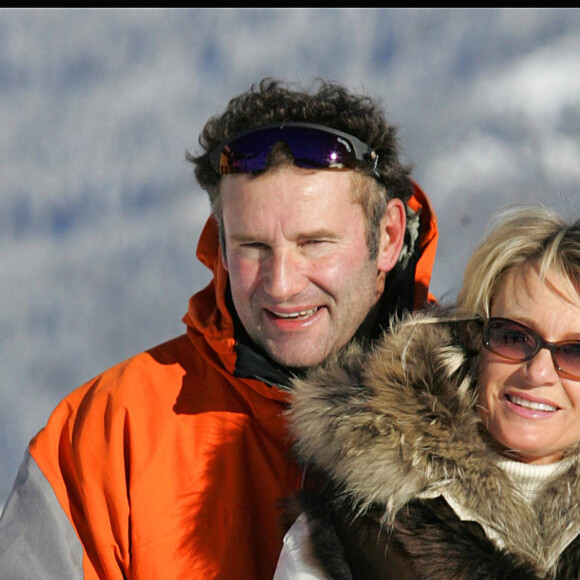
<point x="210" y="313"/>
<point x="399" y="423"/>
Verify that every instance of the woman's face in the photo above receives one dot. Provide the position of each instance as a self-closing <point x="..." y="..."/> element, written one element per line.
<point x="531" y="410"/>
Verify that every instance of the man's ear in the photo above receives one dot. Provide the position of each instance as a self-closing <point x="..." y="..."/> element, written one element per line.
<point x="393" y="227"/>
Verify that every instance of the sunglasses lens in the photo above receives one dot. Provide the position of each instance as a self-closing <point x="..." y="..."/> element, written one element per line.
<point x="310" y="147"/>
<point x="244" y="155"/>
<point x="568" y="358"/>
<point x="510" y="340"/>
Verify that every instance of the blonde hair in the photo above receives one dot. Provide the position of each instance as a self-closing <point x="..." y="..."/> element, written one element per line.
<point x="530" y="235"/>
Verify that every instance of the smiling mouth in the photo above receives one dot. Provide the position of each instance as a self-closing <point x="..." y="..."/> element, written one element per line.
<point x="296" y="315"/>
<point x="530" y="404"/>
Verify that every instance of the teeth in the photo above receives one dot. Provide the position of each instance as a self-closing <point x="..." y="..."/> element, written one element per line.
<point x="531" y="404"/>
<point x="303" y="314"/>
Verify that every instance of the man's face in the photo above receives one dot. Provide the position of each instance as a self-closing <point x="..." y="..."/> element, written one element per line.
<point x="295" y="249"/>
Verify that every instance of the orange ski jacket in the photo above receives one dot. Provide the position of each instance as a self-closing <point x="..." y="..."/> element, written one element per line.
<point x="169" y="465"/>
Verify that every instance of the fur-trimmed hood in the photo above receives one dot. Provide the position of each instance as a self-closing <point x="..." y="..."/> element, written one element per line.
<point x="399" y="423"/>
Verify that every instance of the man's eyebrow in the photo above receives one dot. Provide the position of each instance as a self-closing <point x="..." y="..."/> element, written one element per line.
<point x="319" y="234"/>
<point x="245" y="238"/>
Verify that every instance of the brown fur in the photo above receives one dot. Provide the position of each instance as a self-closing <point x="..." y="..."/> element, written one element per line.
<point x="400" y="421"/>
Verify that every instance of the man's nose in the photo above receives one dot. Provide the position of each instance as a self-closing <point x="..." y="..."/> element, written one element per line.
<point x="284" y="275"/>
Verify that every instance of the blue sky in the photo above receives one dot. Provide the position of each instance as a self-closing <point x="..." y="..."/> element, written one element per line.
<point x="100" y="213"/>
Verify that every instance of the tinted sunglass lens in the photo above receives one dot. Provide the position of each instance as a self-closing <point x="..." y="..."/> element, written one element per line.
<point x="510" y="340"/>
<point x="568" y="358"/>
<point x="317" y="149"/>
<point x="246" y="155"/>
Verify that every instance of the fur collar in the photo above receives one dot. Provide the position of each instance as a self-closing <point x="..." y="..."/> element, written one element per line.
<point x="399" y="423"/>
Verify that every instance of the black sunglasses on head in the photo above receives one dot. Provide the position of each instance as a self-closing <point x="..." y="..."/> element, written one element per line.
<point x="312" y="146"/>
<point x="514" y="341"/>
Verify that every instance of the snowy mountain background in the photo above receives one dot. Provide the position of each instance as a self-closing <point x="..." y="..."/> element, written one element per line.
<point x="100" y="213"/>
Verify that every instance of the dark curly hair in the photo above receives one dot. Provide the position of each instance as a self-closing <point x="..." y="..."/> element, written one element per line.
<point x="329" y="104"/>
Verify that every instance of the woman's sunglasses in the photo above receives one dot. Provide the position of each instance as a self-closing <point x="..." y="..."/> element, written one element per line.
<point x="312" y="147"/>
<point x="514" y="341"/>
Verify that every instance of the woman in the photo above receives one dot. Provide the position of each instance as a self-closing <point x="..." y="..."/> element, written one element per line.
<point x="451" y="450"/>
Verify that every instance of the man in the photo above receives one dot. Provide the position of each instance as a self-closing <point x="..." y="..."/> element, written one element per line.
<point x="172" y="464"/>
